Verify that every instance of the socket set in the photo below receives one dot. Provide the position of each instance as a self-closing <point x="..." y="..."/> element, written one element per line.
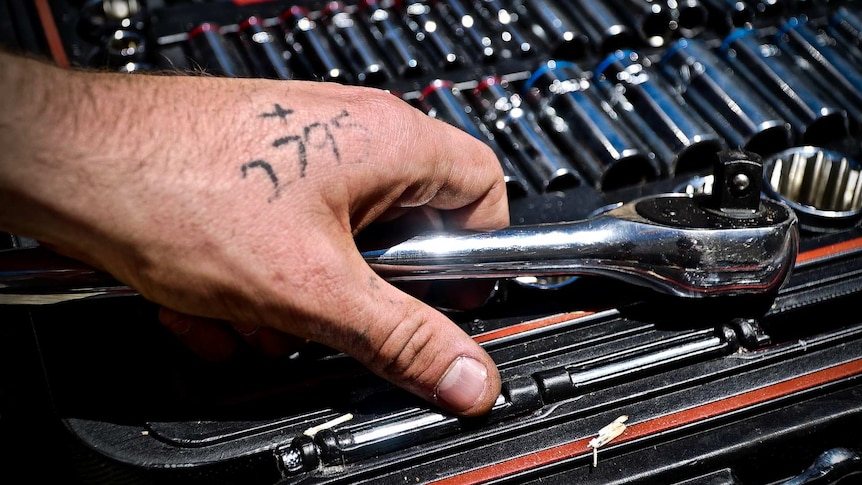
<point x="599" y="97"/>
<point x="589" y="106"/>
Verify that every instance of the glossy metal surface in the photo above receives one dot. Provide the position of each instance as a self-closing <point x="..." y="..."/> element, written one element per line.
<point x="554" y="28"/>
<point x="602" y="24"/>
<point x="629" y="78"/>
<point x="211" y="52"/>
<point x="827" y="64"/>
<point x="814" y="116"/>
<point x="739" y="114"/>
<point x="713" y="254"/>
<point x="831" y="466"/>
<point x="263" y="51"/>
<point x="652" y="20"/>
<point x="442" y="100"/>
<point x="515" y="124"/>
<point x="356" y="45"/>
<point x="564" y="98"/>
<point x="428" y="30"/>
<point x="303" y="34"/>
<point x="392" y="37"/>
<point x="823" y="187"/>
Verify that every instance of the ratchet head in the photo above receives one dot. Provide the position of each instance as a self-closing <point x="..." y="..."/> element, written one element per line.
<point x="687" y="249"/>
<point x="729" y="242"/>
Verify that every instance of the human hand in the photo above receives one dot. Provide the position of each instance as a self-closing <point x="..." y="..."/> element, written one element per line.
<point x="238" y="201"/>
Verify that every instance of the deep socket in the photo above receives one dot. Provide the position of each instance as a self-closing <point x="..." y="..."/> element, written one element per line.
<point x="385" y="27"/>
<point x="743" y="118"/>
<point x="834" y="72"/>
<point x="563" y="95"/>
<point x="442" y="100"/>
<point x="469" y="29"/>
<point x="604" y="27"/>
<point x="268" y="58"/>
<point x="507" y="26"/>
<point x="212" y="53"/>
<point x="629" y="77"/>
<point x="691" y="17"/>
<point x="553" y="26"/>
<point x="811" y="113"/>
<point x="846" y="27"/>
<point x="122" y="49"/>
<point x="847" y="24"/>
<point x="309" y="41"/>
<point x="430" y="33"/>
<point x="353" y="41"/>
<point x="518" y="129"/>
<point x="652" y="20"/>
<point x="726" y="15"/>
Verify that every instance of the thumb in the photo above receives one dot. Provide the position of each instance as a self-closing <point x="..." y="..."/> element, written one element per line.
<point x="409" y="343"/>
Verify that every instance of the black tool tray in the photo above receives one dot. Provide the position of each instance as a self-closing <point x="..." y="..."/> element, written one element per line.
<point x="738" y="390"/>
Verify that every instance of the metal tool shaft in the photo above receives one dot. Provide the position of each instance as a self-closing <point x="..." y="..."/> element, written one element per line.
<point x="713" y="255"/>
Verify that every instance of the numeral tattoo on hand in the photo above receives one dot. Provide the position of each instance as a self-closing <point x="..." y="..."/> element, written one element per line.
<point x="279" y="112"/>
<point x="266" y="167"/>
<point x="300" y="150"/>
<point x="304" y="141"/>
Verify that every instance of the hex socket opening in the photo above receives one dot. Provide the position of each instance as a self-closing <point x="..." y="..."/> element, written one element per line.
<point x="823" y="187"/>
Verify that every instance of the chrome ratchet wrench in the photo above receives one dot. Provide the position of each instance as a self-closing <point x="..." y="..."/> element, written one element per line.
<point x="729" y="242"/>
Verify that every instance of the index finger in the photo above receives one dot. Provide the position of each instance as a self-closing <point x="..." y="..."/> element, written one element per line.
<point x="414" y="160"/>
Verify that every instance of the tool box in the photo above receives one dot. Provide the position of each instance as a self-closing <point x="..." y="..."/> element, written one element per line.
<point x="588" y="105"/>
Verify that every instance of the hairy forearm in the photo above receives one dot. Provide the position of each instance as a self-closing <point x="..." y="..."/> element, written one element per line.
<point x="91" y="156"/>
<point x="71" y="137"/>
<point x="65" y="135"/>
<point x="29" y="117"/>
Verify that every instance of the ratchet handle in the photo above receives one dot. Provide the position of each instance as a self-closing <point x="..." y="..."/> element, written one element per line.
<point x="674" y="244"/>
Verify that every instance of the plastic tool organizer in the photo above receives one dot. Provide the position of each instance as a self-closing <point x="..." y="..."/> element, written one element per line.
<point x="587" y="105"/>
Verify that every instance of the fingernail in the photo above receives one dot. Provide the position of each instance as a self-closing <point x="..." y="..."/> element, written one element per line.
<point x="463" y="384"/>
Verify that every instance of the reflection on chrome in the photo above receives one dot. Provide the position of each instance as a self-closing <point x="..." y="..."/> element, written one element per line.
<point x="672" y="244"/>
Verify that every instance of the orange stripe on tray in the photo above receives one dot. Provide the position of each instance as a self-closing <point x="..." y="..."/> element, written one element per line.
<point x="658" y="425"/>
<point x="830" y="250"/>
<point x="529" y="325"/>
<point x="52" y="35"/>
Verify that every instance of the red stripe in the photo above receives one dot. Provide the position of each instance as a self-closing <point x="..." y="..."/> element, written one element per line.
<point x="487" y="81"/>
<point x="204" y="27"/>
<point x="434" y="86"/>
<point x="52" y="35"/>
<point x="830" y="250"/>
<point x="527" y="326"/>
<point x="658" y="425"/>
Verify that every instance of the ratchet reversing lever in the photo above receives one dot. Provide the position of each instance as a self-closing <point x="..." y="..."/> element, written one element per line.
<point x="729" y="242"/>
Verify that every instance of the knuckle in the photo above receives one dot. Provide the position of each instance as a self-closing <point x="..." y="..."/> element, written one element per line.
<point x="407" y="351"/>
